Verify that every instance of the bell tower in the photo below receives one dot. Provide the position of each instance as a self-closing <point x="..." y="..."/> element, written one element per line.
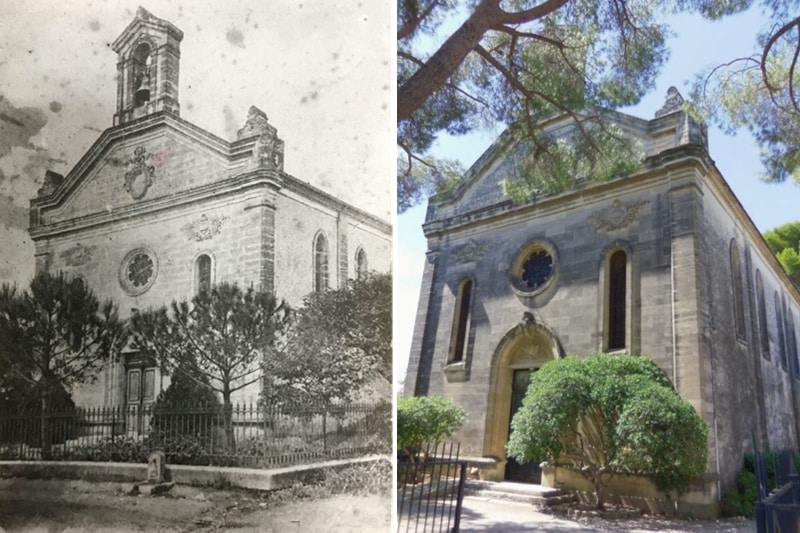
<point x="147" y="68"/>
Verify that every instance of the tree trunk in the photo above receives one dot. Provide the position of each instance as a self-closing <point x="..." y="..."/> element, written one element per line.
<point x="445" y="61"/>
<point x="46" y="442"/>
<point x="598" y="491"/>
<point x="227" y="408"/>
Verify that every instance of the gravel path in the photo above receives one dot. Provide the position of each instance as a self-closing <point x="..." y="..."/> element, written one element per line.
<point x="485" y="515"/>
<point x="50" y="506"/>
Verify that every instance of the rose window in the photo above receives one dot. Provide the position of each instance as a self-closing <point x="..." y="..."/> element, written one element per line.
<point x="537" y="269"/>
<point x="138" y="271"/>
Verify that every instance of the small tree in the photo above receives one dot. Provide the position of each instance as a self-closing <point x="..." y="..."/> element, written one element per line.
<point x="222" y="339"/>
<point x="784" y="241"/>
<point x="426" y="419"/>
<point x="339" y="340"/>
<point x="54" y="335"/>
<point x="185" y="395"/>
<point x="610" y="414"/>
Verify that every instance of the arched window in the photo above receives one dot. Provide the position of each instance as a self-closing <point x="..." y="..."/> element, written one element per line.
<point x="320" y="263"/>
<point x="792" y="342"/>
<point x="461" y="321"/>
<point x="361" y="264"/>
<point x="738" y="291"/>
<point x="202" y="273"/>
<point x="781" y="341"/>
<point x="617" y="299"/>
<point x="762" y="316"/>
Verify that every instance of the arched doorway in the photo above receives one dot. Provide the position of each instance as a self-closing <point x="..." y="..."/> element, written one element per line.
<point x="522" y="351"/>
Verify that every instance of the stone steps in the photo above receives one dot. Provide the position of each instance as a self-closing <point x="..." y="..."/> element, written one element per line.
<point x="535" y="495"/>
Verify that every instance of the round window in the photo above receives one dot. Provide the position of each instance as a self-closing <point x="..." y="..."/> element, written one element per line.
<point x="537" y="269"/>
<point x="138" y="271"/>
<point x="533" y="270"/>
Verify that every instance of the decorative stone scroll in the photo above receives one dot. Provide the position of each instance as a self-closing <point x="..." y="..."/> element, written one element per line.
<point x="618" y="215"/>
<point x="204" y="228"/>
<point x="472" y="250"/>
<point x="77" y="255"/>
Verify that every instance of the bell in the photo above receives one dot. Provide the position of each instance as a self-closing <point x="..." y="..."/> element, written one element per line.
<point x="142" y="93"/>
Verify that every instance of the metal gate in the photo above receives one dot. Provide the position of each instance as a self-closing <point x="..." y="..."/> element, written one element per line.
<point x="430" y="489"/>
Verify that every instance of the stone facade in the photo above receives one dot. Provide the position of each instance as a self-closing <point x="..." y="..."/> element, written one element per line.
<point x="685" y="295"/>
<point x="157" y="207"/>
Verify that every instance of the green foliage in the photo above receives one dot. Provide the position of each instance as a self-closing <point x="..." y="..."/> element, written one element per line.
<point x="759" y="92"/>
<point x="741" y="500"/>
<point x="340" y="340"/>
<point x="426" y="419"/>
<point x="784" y="241"/>
<point x="420" y="177"/>
<point x="557" y="164"/>
<point x="518" y="63"/>
<point x="609" y="414"/>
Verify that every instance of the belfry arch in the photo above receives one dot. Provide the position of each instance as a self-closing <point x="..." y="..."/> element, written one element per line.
<point x="526" y="347"/>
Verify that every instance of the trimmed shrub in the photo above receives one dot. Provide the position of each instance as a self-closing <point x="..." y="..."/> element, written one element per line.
<point x="426" y="419"/>
<point x="609" y="414"/>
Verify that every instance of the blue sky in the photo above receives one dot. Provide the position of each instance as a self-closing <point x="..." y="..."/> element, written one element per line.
<point x="697" y="44"/>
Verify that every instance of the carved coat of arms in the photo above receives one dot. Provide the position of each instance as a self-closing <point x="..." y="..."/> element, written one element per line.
<point x="140" y="175"/>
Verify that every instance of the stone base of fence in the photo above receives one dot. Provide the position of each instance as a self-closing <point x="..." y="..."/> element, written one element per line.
<point x="212" y="476"/>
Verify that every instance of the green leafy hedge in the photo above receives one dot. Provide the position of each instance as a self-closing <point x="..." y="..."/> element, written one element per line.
<point x="426" y="419"/>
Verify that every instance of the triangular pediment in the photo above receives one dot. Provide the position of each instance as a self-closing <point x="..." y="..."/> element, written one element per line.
<point x="482" y="189"/>
<point x="143" y="22"/>
<point x="132" y="166"/>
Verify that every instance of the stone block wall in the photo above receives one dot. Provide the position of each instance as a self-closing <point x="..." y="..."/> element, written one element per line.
<point x="174" y="163"/>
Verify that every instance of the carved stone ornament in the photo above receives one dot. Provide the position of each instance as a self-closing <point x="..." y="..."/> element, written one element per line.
<point x="140" y="175"/>
<point x="204" y="228"/>
<point x="256" y="123"/>
<point x="77" y="255"/>
<point x="673" y="102"/>
<point x="52" y="181"/>
<point x="617" y="216"/>
<point x="472" y="250"/>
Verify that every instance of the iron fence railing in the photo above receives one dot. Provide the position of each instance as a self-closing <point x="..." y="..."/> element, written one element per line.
<point x="778" y="500"/>
<point x="430" y="489"/>
<point x="252" y="434"/>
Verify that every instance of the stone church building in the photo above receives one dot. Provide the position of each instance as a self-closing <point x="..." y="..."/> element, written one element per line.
<point x="158" y="209"/>
<point x="664" y="263"/>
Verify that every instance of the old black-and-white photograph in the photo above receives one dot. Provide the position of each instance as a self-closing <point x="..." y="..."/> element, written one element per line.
<point x="195" y="285"/>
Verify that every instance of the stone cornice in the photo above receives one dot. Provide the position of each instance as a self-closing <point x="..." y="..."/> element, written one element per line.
<point x="309" y="191"/>
<point x="669" y="160"/>
<point x="756" y="238"/>
<point x="506" y="140"/>
<point x="139" y="127"/>
<point x="234" y="152"/>
<point x="242" y="182"/>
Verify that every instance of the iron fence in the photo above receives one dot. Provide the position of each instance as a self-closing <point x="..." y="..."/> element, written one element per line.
<point x="778" y="502"/>
<point x="430" y="489"/>
<point x="251" y="435"/>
